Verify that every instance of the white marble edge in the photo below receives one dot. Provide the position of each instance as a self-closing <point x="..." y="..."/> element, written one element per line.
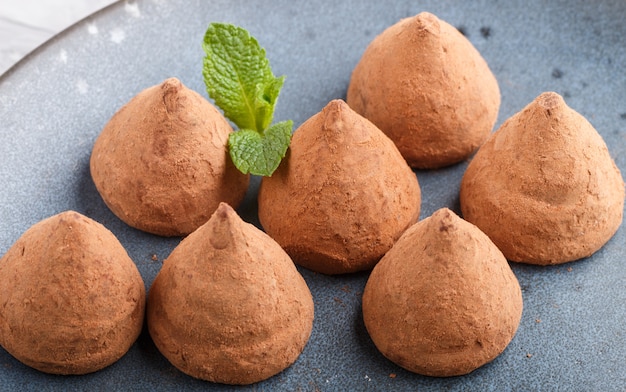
<point x="27" y="24"/>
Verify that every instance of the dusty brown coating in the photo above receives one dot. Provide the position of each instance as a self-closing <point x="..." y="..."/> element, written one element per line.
<point x="443" y="301"/>
<point x="71" y="300"/>
<point x="342" y="196"/>
<point x="161" y="163"/>
<point x="544" y="187"/>
<point x="424" y="84"/>
<point x="229" y="305"/>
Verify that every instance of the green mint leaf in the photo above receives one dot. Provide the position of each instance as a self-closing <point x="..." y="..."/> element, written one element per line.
<point x="266" y="96"/>
<point x="260" y="154"/>
<point x="238" y="76"/>
<point x="239" y="79"/>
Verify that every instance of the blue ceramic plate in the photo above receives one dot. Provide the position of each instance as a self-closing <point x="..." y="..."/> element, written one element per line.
<point x="54" y="103"/>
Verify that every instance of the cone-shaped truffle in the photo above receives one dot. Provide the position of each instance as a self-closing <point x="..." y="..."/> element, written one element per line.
<point x="228" y="305"/>
<point x="424" y="84"/>
<point x="544" y="187"/>
<point x="342" y="196"/>
<point x="72" y="300"/>
<point x="443" y="301"/>
<point x="161" y="163"/>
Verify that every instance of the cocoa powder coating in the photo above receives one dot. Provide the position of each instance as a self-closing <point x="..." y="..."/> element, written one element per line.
<point x="426" y="86"/>
<point x="161" y="163"/>
<point x="71" y="300"/>
<point x="342" y="196"/>
<point x="443" y="301"/>
<point x="544" y="187"/>
<point x="229" y="306"/>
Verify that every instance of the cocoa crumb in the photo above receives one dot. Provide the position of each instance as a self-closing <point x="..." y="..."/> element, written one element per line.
<point x="557" y="73"/>
<point x="444" y="227"/>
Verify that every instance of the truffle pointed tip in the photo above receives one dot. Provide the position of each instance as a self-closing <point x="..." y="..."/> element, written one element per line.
<point x="333" y="113"/>
<point x="336" y="104"/>
<point x="222" y="226"/>
<point x="444" y="218"/>
<point x="170" y="83"/>
<point x="550" y="101"/>
<point x="427" y="21"/>
<point x="224" y="210"/>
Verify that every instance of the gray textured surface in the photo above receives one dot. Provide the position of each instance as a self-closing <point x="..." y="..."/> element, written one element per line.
<point x="54" y="103"/>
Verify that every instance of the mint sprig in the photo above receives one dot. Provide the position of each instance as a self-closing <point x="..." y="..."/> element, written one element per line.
<point x="239" y="79"/>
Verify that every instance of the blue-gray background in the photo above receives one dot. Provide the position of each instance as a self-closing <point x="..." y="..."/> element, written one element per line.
<point x="54" y="103"/>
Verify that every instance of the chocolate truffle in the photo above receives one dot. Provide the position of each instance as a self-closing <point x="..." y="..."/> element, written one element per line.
<point x="72" y="300"/>
<point x="229" y="306"/>
<point x="342" y="196"/>
<point x="161" y="163"/>
<point x="426" y="86"/>
<point x="443" y="301"/>
<point x="544" y="187"/>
